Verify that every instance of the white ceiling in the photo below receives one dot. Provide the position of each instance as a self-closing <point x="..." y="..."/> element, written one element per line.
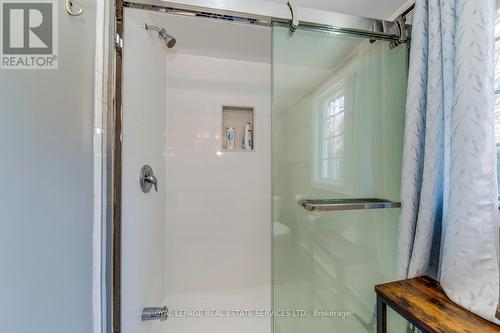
<point x="380" y="9"/>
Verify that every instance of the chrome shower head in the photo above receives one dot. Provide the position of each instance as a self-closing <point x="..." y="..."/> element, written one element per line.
<point x="169" y="39"/>
<point x="162" y="34"/>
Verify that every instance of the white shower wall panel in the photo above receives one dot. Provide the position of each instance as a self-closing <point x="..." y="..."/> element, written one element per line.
<point x="143" y="143"/>
<point x="218" y="225"/>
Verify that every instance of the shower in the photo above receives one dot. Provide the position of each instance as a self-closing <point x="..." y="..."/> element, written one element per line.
<point x="287" y="228"/>
<point x="162" y="34"/>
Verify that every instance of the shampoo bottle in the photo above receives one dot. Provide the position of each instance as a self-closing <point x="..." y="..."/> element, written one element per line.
<point x="248" y="140"/>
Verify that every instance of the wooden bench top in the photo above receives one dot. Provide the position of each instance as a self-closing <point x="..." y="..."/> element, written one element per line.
<point x="423" y="302"/>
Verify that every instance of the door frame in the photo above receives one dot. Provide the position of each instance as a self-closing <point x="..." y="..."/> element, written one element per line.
<point x="116" y="171"/>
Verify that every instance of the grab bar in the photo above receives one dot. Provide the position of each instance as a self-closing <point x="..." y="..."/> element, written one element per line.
<point x="325" y="205"/>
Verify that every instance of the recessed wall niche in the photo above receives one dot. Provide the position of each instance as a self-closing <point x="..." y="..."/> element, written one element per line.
<point x="236" y="121"/>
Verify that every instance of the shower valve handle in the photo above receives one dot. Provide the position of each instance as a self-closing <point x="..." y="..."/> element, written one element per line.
<point x="147" y="179"/>
<point x="151" y="179"/>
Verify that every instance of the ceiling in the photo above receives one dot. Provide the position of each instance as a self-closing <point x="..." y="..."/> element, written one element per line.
<point x="380" y="9"/>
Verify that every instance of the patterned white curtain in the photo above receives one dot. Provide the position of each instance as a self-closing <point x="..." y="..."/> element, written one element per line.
<point x="449" y="220"/>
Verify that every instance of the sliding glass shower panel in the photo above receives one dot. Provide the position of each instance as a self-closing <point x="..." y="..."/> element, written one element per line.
<point x="338" y="115"/>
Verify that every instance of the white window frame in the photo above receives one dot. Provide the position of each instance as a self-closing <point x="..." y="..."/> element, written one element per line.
<point x="331" y="95"/>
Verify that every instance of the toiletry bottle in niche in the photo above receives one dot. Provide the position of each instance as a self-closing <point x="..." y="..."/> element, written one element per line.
<point x="229" y="138"/>
<point x="247" y="138"/>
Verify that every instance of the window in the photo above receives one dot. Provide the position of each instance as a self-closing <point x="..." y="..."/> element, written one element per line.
<point x="497" y="92"/>
<point x="331" y="139"/>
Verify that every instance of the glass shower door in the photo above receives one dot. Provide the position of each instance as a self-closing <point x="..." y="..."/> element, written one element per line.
<point x="338" y="115"/>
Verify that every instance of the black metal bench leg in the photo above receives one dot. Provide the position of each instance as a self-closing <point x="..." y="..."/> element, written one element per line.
<point x="381" y="315"/>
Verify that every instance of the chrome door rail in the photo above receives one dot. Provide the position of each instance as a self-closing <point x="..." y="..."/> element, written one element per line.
<point x="359" y="26"/>
<point x="326" y="205"/>
<point x="202" y="14"/>
<point x="371" y="34"/>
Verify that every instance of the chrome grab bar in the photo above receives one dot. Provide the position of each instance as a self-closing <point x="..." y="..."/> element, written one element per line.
<point x="325" y="205"/>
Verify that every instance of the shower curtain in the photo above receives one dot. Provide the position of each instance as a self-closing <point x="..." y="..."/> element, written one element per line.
<point x="449" y="218"/>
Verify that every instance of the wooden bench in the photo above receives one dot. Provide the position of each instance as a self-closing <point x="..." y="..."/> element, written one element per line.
<point x="423" y="303"/>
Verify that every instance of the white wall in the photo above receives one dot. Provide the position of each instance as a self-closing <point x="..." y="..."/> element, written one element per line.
<point x="46" y="121"/>
<point x="143" y="143"/>
<point x="217" y="210"/>
<point x="218" y="249"/>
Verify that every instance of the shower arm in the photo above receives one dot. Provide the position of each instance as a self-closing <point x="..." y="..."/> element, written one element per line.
<point x="162" y="33"/>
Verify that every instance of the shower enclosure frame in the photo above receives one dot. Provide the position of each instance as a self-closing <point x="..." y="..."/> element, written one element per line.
<point x="374" y="29"/>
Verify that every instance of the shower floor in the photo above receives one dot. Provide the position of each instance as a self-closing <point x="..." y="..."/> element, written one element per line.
<point x="219" y="301"/>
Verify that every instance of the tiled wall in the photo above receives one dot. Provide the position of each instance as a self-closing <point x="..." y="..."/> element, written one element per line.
<point x="143" y="143"/>
<point x="218" y="231"/>
<point x="207" y="233"/>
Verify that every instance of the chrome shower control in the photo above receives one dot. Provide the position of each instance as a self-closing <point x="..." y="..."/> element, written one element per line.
<point x="154" y="313"/>
<point x="148" y="179"/>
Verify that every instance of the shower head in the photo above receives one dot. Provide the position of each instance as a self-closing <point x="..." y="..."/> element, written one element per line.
<point x="162" y="34"/>
<point x="169" y="39"/>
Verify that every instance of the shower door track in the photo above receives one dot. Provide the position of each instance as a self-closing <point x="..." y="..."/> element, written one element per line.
<point x="352" y="25"/>
<point x="372" y="29"/>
